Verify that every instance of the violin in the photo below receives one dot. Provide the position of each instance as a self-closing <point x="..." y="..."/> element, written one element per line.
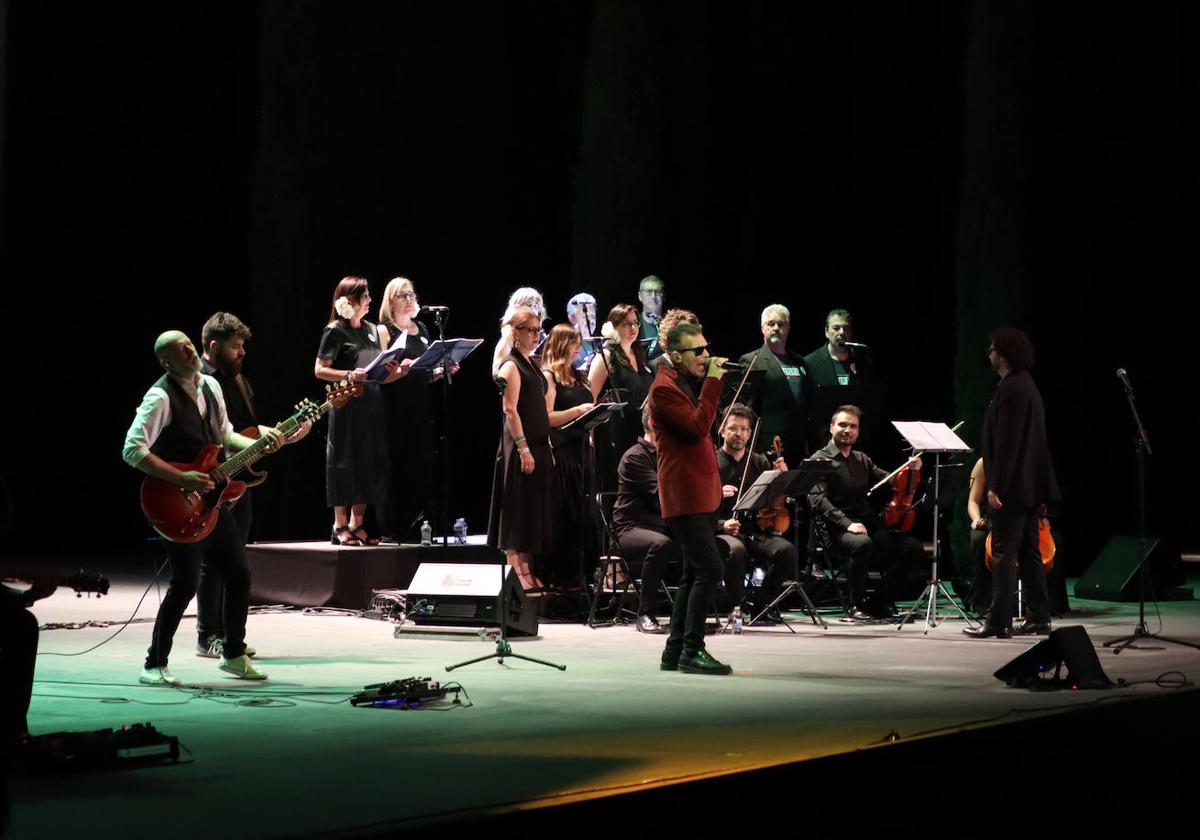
<point x="1046" y="546"/>
<point x="775" y="517"/>
<point x="899" y="513"/>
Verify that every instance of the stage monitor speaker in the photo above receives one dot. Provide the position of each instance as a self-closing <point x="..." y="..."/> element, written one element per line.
<point x="1067" y="646"/>
<point x="1112" y="576"/>
<point x="468" y="595"/>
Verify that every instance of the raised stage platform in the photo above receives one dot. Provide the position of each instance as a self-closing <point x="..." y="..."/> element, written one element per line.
<point x="815" y="719"/>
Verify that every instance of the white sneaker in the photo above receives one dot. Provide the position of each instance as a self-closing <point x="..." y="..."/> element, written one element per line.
<point x="214" y="648"/>
<point x="158" y="676"/>
<point x="242" y="668"/>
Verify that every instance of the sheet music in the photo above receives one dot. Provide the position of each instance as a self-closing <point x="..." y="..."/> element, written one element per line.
<point x="930" y="437"/>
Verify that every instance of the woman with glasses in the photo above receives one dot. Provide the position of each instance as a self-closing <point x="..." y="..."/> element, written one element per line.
<point x="357" y="467"/>
<point x="569" y="397"/>
<point x="525" y="483"/>
<point x="411" y="487"/>
<point x="531" y="299"/>
<point x="622" y="367"/>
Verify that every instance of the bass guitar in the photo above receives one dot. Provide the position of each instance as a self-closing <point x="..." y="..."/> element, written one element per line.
<point x="188" y="516"/>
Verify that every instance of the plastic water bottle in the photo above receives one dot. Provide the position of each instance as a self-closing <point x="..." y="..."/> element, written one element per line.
<point x="426" y="533"/>
<point x="735" y="619"/>
<point x="460" y="531"/>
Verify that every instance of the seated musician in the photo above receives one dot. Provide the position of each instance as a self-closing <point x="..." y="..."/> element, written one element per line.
<point x="739" y="469"/>
<point x="843" y="521"/>
<point x="645" y="536"/>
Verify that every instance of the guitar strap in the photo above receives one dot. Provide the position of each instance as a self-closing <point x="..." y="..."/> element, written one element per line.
<point x="245" y="392"/>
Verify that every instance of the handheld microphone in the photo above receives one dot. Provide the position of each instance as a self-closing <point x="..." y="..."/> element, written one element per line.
<point x="733" y="366"/>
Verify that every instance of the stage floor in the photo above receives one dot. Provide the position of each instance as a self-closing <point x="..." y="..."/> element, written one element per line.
<point x="290" y="757"/>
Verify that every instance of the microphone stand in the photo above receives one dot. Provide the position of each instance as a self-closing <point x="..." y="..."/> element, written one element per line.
<point x="1142" y="448"/>
<point x="447" y="381"/>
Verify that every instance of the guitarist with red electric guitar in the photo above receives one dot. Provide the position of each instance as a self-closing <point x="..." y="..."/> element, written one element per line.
<point x="181" y="415"/>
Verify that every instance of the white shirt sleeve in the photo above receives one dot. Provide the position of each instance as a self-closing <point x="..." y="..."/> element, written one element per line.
<point x="151" y="418"/>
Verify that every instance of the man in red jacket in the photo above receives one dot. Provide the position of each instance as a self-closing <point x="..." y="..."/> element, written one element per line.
<point x="683" y="404"/>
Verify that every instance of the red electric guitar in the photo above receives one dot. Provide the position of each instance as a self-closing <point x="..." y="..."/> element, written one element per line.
<point x="188" y="516"/>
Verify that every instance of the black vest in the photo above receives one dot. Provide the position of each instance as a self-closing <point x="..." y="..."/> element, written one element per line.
<point x="187" y="433"/>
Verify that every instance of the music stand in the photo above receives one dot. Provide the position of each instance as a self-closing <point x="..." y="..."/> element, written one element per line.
<point x="771" y="484"/>
<point x="445" y="353"/>
<point x="936" y="439"/>
<point x="597" y="415"/>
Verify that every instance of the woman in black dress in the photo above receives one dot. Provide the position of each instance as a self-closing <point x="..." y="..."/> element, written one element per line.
<point x="408" y="408"/>
<point x="568" y="397"/>
<point x="356" y="455"/>
<point x="525" y="485"/>
<point x="622" y="368"/>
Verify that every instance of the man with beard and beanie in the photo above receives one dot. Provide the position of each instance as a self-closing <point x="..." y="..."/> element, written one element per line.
<point x="1019" y="478"/>
<point x="683" y="405"/>
<point x="223" y="339"/>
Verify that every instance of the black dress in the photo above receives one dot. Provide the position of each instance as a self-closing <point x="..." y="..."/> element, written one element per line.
<point x="357" y="465"/>
<point x="523" y="506"/>
<point x="411" y="485"/>
<point x="576" y="468"/>
<point x="630" y="386"/>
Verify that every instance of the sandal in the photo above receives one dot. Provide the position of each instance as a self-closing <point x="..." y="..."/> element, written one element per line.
<point x="343" y="536"/>
<point x="360" y="534"/>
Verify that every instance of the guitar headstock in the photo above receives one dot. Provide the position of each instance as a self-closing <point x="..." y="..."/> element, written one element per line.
<point x="337" y="395"/>
<point x="83" y="582"/>
<point x="306" y="409"/>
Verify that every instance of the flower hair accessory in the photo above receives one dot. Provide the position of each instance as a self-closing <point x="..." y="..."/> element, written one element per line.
<point x="344" y="307"/>
<point x="609" y="331"/>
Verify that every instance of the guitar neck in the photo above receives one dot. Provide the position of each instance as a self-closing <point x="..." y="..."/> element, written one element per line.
<point x="251" y="454"/>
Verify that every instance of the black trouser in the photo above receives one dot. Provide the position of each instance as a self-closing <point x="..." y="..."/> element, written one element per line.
<point x="224" y="549"/>
<point x="901" y="552"/>
<point x="702" y="569"/>
<point x="654" y="551"/>
<point x="18" y="652"/>
<point x="779" y="556"/>
<point x="1015" y="546"/>
<point x="210" y="592"/>
<point x="979" y="595"/>
<point x="736" y="559"/>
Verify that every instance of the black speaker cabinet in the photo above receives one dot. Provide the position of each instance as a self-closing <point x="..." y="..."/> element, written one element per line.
<point x="1068" y="647"/>
<point x="468" y="595"/>
<point x="1113" y="574"/>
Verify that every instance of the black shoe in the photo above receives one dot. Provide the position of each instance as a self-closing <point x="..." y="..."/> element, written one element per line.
<point x="1032" y="628"/>
<point x="702" y="663"/>
<point x="856" y="614"/>
<point x="647" y="623"/>
<point x="985" y="631"/>
<point x="670" y="660"/>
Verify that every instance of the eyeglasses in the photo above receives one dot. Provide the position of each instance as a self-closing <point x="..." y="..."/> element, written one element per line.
<point x="629" y="323"/>
<point x="652" y="292"/>
<point x="404" y="296"/>
<point x="696" y="350"/>
<point x="532" y="330"/>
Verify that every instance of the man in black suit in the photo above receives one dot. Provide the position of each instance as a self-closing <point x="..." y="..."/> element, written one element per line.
<point x="1020" y="478"/>
<point x="839" y="361"/>
<point x="779" y="394"/>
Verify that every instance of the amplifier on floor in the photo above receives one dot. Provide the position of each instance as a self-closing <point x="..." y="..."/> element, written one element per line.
<point x="1067" y="646"/>
<point x="1112" y="576"/>
<point x="468" y="595"/>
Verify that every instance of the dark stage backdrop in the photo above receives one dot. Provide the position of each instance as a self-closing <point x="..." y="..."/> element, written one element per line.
<point x="935" y="168"/>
